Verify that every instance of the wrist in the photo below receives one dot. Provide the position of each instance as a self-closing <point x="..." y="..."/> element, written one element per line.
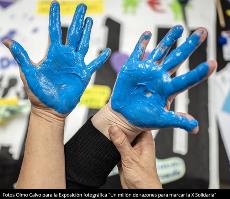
<point x="107" y="117"/>
<point x="48" y="116"/>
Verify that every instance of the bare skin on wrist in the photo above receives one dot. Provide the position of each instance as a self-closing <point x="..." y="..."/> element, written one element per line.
<point x="106" y="118"/>
<point x="49" y="116"/>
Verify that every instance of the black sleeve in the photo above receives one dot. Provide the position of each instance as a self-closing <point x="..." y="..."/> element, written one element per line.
<point x="89" y="158"/>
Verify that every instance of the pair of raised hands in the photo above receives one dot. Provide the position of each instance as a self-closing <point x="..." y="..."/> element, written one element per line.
<point x="144" y="88"/>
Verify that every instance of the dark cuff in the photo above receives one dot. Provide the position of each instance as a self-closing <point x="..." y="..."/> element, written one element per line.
<point x="89" y="158"/>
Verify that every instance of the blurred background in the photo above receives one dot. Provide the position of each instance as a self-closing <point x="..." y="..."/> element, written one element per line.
<point x="183" y="160"/>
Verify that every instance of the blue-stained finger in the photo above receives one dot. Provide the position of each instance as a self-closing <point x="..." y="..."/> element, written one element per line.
<point x="84" y="43"/>
<point x="19" y="54"/>
<point x="181" y="53"/>
<point x="166" y="43"/>
<point x="180" y="121"/>
<point x="99" y="61"/>
<point x="76" y="27"/>
<point x="55" y="23"/>
<point x="140" y="47"/>
<point x="183" y="82"/>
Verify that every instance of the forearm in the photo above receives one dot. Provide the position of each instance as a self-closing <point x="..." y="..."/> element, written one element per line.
<point x="43" y="164"/>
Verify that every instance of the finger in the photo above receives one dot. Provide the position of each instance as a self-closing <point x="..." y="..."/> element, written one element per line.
<point x="181" y="120"/>
<point x="19" y="54"/>
<point x="144" y="143"/>
<point x="99" y="61"/>
<point x="84" y="43"/>
<point x="120" y="141"/>
<point x="181" y="53"/>
<point x="192" y="78"/>
<point x="166" y="43"/>
<point x="55" y="23"/>
<point x="140" y="47"/>
<point x="76" y="27"/>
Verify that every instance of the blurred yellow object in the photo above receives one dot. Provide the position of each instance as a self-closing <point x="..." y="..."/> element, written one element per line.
<point x="227" y="12"/>
<point x="10" y="108"/>
<point x="95" y="97"/>
<point x="9" y="101"/>
<point x="68" y="6"/>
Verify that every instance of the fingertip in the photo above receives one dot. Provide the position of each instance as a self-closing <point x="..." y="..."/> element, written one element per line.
<point x="89" y="21"/>
<point x="8" y="43"/>
<point x="114" y="131"/>
<point x="146" y="35"/>
<point x="178" y="30"/>
<point x="55" y="4"/>
<point x="202" y="33"/>
<point x="212" y="65"/>
<point x="195" y="130"/>
<point x="108" y="52"/>
<point x="144" y="40"/>
<point x="82" y="7"/>
<point x="194" y="126"/>
<point x="54" y="1"/>
<point x="178" y="27"/>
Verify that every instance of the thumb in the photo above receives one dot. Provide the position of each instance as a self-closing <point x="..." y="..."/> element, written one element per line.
<point x="18" y="53"/>
<point x="120" y="141"/>
<point x="99" y="61"/>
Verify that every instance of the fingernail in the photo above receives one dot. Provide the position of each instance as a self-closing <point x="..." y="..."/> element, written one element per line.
<point x="89" y="20"/>
<point x="7" y="43"/>
<point x="193" y="125"/>
<point x="146" y="35"/>
<point x="212" y="63"/>
<point x="195" y="130"/>
<point x="202" y="33"/>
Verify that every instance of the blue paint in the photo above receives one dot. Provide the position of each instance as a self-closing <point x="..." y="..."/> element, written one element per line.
<point x="182" y="52"/>
<point x="59" y="81"/>
<point x="143" y="87"/>
<point x="166" y="43"/>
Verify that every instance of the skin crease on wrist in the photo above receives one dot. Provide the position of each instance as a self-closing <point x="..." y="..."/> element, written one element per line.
<point x="106" y="117"/>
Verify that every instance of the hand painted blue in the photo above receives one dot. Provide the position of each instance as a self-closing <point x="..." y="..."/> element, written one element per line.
<point x="144" y="87"/>
<point x="61" y="78"/>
